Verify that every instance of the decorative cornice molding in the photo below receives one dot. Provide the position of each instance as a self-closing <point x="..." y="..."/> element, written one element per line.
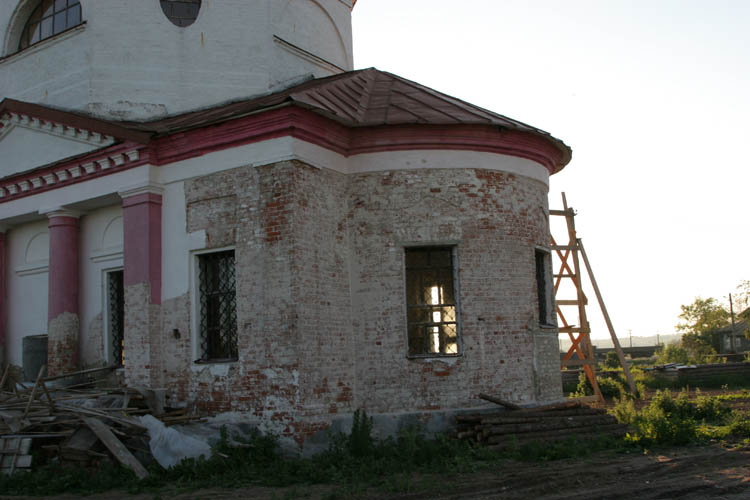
<point x="288" y="121"/>
<point x="98" y="163"/>
<point x="53" y="212"/>
<point x="143" y="188"/>
<point x="11" y="120"/>
<point x="312" y="127"/>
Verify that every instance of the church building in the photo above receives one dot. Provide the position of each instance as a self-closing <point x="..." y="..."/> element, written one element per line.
<point x="206" y="195"/>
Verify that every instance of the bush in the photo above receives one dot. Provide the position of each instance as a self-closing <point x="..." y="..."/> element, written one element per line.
<point x="611" y="387"/>
<point x="672" y="353"/>
<point x="739" y="424"/>
<point x="611" y="360"/>
<point x="670" y="420"/>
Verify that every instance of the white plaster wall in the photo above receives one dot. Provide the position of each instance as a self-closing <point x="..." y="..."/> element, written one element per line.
<point x="26" y="285"/>
<point x="177" y="243"/>
<point x="130" y="62"/>
<point x="55" y="72"/>
<point x="100" y="250"/>
<point x="23" y="149"/>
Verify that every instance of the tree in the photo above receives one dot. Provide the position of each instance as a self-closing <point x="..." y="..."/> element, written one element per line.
<point x="699" y="319"/>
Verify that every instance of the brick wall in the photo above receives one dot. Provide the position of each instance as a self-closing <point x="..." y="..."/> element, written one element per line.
<point x="320" y="293"/>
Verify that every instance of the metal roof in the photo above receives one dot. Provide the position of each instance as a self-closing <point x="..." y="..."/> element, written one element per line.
<point x="363" y="98"/>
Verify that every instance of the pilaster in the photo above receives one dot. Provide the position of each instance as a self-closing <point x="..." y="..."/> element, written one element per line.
<point x="142" y="219"/>
<point x="63" y="327"/>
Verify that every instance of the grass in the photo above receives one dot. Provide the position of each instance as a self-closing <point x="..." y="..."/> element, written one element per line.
<point x="408" y="463"/>
<point x="353" y="463"/>
<point x="679" y="420"/>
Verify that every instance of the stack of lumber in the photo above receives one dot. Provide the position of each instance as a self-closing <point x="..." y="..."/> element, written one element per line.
<point x="701" y="374"/>
<point x="514" y="427"/>
<point x="77" y="422"/>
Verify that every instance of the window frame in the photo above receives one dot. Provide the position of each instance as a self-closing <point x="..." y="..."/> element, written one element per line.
<point x="454" y="247"/>
<point x="106" y="310"/>
<point x="195" y="291"/>
<point x="549" y="298"/>
<point x="27" y="19"/>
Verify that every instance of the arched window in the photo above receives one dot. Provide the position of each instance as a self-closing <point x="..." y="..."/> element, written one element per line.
<point x="48" y="19"/>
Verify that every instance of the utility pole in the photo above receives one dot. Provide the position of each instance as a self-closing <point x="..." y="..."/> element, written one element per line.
<point x="630" y="333"/>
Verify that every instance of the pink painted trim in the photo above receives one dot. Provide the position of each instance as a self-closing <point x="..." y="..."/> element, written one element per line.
<point x="2" y="290"/>
<point x="142" y="245"/>
<point x="311" y="127"/>
<point x="292" y="121"/>
<point x="96" y="158"/>
<point x="63" y="266"/>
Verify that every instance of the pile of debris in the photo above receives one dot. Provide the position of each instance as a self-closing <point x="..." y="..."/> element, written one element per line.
<point x="516" y="426"/>
<point x="73" y="420"/>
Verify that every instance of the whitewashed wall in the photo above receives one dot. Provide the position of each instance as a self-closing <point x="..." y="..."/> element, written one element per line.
<point x="26" y="285"/>
<point x="100" y="250"/>
<point x="129" y="61"/>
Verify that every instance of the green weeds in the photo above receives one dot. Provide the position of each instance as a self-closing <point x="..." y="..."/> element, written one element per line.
<point x="670" y="420"/>
<point x="410" y="462"/>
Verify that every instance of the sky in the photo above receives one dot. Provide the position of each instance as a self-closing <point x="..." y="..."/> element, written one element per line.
<point x="653" y="96"/>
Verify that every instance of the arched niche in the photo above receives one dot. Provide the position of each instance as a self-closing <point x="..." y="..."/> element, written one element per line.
<point x="37" y="250"/>
<point x="112" y="236"/>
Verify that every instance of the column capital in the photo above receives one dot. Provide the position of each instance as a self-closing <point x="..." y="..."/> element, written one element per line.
<point x="143" y="188"/>
<point x="52" y="212"/>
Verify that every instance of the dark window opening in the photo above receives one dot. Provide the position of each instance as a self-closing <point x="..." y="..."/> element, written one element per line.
<point x="181" y="12"/>
<point x="542" y="287"/>
<point x="218" y="309"/>
<point x="116" y="316"/>
<point x="50" y="18"/>
<point x="431" y="301"/>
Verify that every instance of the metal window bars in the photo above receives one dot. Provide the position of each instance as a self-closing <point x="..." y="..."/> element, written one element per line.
<point x="218" y="306"/>
<point x="430" y="301"/>
<point x="116" y="315"/>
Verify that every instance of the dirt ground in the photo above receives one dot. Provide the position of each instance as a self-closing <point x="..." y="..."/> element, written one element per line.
<point x="693" y="473"/>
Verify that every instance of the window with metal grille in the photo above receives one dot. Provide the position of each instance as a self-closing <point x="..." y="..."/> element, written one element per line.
<point x="431" y="301"/>
<point x="217" y="318"/>
<point x="543" y="289"/>
<point x="181" y="12"/>
<point x="116" y="316"/>
<point x="50" y="18"/>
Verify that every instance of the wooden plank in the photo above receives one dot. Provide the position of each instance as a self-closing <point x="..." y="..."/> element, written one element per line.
<point x="82" y="372"/>
<point x="564" y="213"/>
<point x="5" y="377"/>
<point x="499" y="401"/>
<point x="128" y="422"/>
<point x="121" y="453"/>
<point x="49" y="398"/>
<point x="33" y="391"/>
<point x="572" y="329"/>
<point x="82" y="439"/>
<point x="563" y="247"/>
<point x="587" y="399"/>
<point x="615" y="341"/>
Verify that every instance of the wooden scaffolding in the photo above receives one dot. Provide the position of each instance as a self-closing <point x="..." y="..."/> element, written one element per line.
<point x="581" y="351"/>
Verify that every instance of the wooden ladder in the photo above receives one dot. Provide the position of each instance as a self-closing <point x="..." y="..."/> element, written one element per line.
<point x="580" y="334"/>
